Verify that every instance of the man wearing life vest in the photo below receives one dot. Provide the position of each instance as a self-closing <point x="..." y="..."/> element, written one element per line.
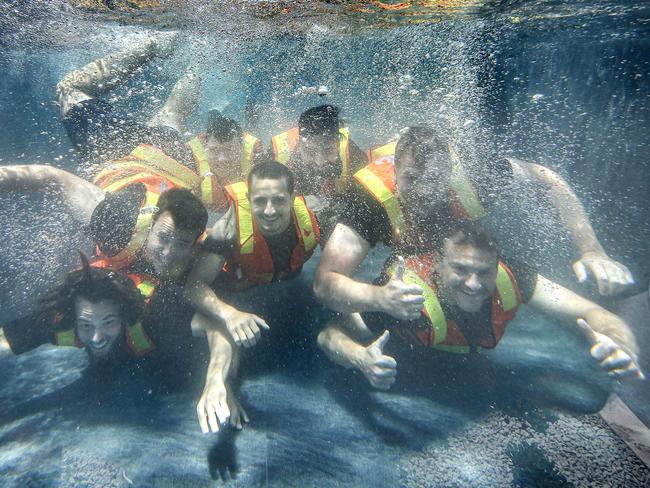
<point x="265" y="237"/>
<point x="94" y="308"/>
<point x="118" y="151"/>
<point x="407" y="200"/>
<point x="323" y="158"/>
<point x="223" y="154"/>
<point x="469" y="298"/>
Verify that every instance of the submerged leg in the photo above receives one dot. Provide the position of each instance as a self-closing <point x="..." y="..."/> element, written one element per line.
<point x="181" y="102"/>
<point x="104" y="74"/>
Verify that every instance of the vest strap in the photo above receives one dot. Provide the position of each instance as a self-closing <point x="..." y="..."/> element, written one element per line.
<point x="250" y="141"/>
<point x="159" y="160"/>
<point x="382" y="193"/>
<point x="244" y="217"/>
<point x="506" y="290"/>
<point x="66" y="338"/>
<point x="305" y="224"/>
<point x="138" y="340"/>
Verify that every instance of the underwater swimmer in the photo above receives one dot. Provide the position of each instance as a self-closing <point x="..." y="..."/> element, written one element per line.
<point x="471" y="296"/>
<point x="407" y="200"/>
<point x="222" y="155"/>
<point x="323" y="158"/>
<point x="266" y="237"/>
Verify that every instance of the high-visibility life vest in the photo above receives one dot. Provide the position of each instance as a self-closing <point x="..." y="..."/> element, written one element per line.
<point x="378" y="178"/>
<point x="210" y="184"/>
<point x="443" y="332"/>
<point x="148" y="165"/>
<point x="284" y="145"/>
<point x="137" y="340"/>
<point x="252" y="261"/>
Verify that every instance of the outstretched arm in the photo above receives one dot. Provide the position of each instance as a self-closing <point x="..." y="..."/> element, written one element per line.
<point x="243" y="327"/>
<point x="613" y="343"/>
<point x="611" y="276"/>
<point x="344" y="252"/>
<point x="80" y="195"/>
<point x="218" y="404"/>
<point x="342" y="340"/>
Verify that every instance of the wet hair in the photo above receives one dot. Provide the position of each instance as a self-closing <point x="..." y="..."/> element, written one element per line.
<point x="95" y="284"/>
<point x="222" y="128"/>
<point x="471" y="233"/>
<point x="319" y="121"/>
<point x="186" y="209"/>
<point x="272" y="170"/>
<point x="425" y="144"/>
<point x="113" y="220"/>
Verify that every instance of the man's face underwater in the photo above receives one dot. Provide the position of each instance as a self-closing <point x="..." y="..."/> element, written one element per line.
<point x="320" y="154"/>
<point x="221" y="153"/>
<point x="271" y="205"/>
<point x="167" y="248"/>
<point x="468" y="275"/>
<point x="422" y="189"/>
<point x="99" y="326"/>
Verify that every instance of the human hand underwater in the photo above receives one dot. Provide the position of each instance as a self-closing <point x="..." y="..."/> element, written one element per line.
<point x="399" y="299"/>
<point x="618" y="363"/>
<point x="244" y="327"/>
<point x="380" y="370"/>
<point x="213" y="410"/>
<point x="610" y="276"/>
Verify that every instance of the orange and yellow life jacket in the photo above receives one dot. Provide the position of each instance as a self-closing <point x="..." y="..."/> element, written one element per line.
<point x="284" y="145"/>
<point x="210" y="184"/>
<point x="138" y="342"/>
<point x="443" y="333"/>
<point x="252" y="261"/>
<point x="378" y="178"/>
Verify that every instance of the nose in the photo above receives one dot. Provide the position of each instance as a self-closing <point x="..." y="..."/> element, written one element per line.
<point x="98" y="337"/>
<point x="269" y="210"/>
<point x="473" y="283"/>
<point x="166" y="251"/>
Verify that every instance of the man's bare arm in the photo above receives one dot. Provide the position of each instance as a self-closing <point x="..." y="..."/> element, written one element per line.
<point x="80" y="195"/>
<point x="600" y="325"/>
<point x="343" y="342"/>
<point x="344" y="252"/>
<point x="243" y="327"/>
<point x="610" y="275"/>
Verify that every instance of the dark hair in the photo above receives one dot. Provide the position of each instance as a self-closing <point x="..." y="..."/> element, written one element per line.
<point x="113" y="220"/>
<point x="468" y="232"/>
<point x="186" y="209"/>
<point x="425" y="144"/>
<point x="272" y="170"/>
<point x="319" y="121"/>
<point x="222" y="128"/>
<point x="95" y="284"/>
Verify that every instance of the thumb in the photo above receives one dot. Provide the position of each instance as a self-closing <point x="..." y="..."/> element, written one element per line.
<point x="586" y="329"/>
<point x="381" y="341"/>
<point x="580" y="270"/>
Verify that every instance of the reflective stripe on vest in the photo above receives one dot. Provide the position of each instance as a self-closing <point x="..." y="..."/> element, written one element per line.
<point x="382" y="193"/>
<point x="66" y="338"/>
<point x="140" y="233"/>
<point x="305" y="225"/>
<point x="464" y="189"/>
<point x="146" y="159"/>
<point x="203" y="168"/>
<point x="248" y="151"/>
<point x="285" y="144"/>
<point x="244" y="217"/>
<point x="382" y="151"/>
<point x="137" y="339"/>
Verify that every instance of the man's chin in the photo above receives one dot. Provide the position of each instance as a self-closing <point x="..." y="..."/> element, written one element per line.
<point x="470" y="304"/>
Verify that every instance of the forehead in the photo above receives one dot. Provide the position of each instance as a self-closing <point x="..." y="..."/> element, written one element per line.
<point x="324" y="140"/>
<point x="468" y="255"/>
<point x="267" y="187"/>
<point x="165" y="225"/>
<point x="97" y="309"/>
